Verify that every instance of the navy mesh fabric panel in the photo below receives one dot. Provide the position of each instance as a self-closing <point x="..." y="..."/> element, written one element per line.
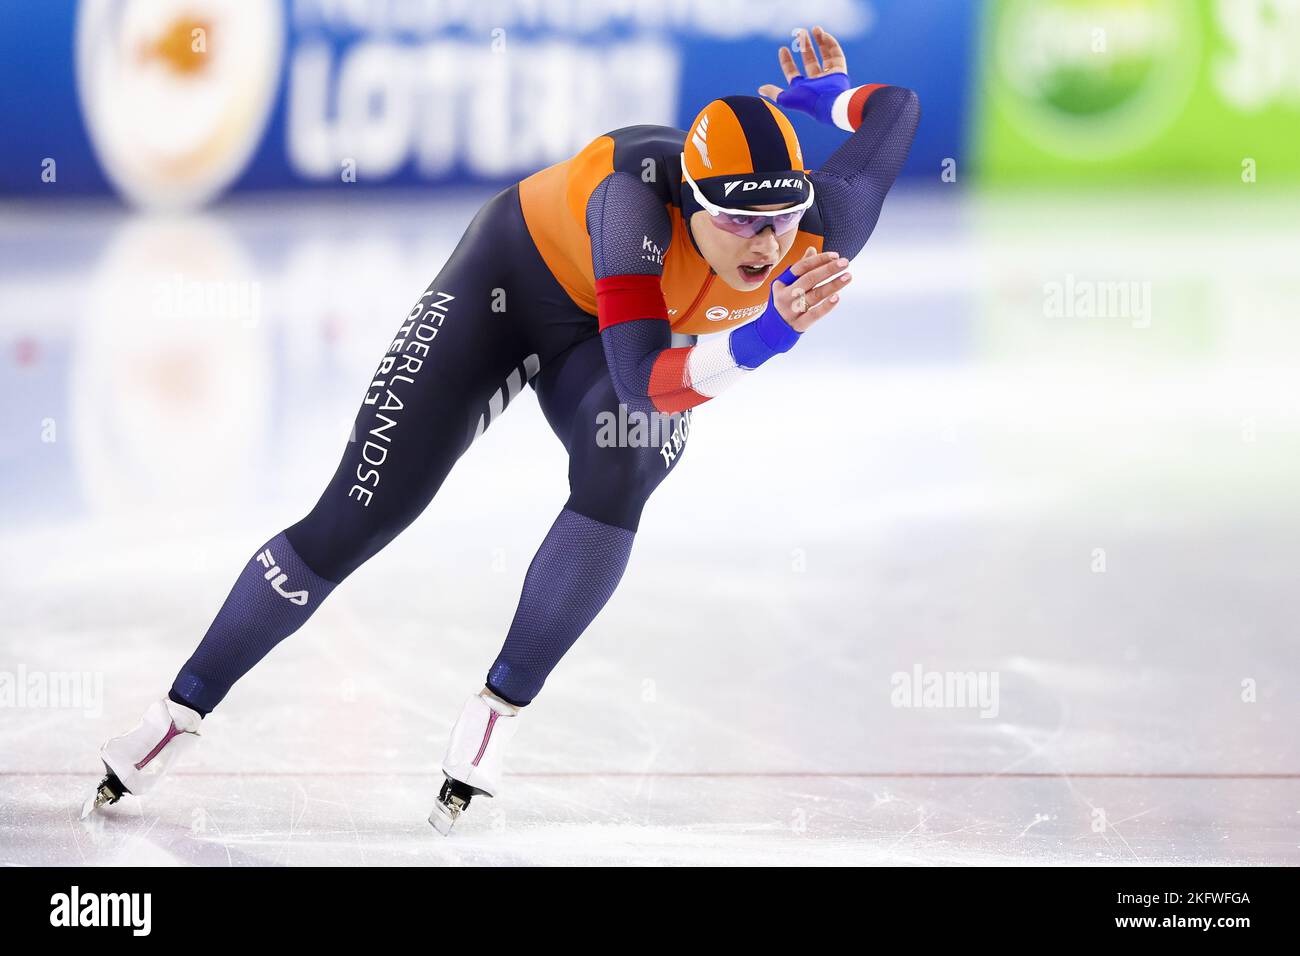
<point x="608" y="481"/>
<point x="624" y="213"/>
<point x="852" y="183"/>
<point x="261" y="610"/>
<point x="571" y="578"/>
<point x="631" y="349"/>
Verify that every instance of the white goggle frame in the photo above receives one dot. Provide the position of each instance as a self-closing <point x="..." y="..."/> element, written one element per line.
<point x="714" y="209"/>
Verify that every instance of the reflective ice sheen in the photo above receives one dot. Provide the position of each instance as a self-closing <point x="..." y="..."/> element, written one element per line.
<point x="948" y="475"/>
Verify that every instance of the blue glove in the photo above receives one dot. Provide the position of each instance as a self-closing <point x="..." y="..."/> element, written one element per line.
<point x="815" y="97"/>
<point x="768" y="335"/>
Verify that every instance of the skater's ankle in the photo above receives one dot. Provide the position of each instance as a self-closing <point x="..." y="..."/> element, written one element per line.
<point x="175" y="698"/>
<point x="499" y="703"/>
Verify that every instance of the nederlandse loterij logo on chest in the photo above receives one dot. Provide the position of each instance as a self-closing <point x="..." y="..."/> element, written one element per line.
<point x="720" y="313"/>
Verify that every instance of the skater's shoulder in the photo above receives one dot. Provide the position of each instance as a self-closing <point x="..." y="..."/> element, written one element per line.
<point x="651" y="153"/>
<point x="643" y="159"/>
<point x="647" y="136"/>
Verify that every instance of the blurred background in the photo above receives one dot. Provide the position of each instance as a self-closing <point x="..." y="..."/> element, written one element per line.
<point x="1050" y="440"/>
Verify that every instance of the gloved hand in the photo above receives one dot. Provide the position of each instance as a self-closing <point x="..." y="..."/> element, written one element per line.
<point x="814" y="91"/>
<point x="815" y="97"/>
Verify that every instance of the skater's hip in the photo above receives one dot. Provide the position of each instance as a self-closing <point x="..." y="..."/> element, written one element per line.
<point x="498" y="264"/>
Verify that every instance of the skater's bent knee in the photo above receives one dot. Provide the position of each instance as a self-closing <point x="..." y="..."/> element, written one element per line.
<point x="331" y="550"/>
<point x="614" y="488"/>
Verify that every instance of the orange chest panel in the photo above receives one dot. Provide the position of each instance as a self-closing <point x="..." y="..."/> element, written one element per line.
<point x="554" y="203"/>
<point x="698" y="301"/>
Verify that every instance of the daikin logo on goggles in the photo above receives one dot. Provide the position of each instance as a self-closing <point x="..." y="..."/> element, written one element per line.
<point x="795" y="182"/>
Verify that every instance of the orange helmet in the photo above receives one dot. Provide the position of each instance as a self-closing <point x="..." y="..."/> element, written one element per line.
<point x="742" y="151"/>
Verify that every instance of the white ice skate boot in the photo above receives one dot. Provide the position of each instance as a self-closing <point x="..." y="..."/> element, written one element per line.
<point x="473" y="764"/>
<point x="136" y="760"/>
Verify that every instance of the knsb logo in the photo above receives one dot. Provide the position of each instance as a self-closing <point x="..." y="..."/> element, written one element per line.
<point x="651" y="251"/>
<point x="176" y="93"/>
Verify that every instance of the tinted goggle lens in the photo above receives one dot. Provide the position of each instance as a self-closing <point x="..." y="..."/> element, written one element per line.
<point x="749" y="225"/>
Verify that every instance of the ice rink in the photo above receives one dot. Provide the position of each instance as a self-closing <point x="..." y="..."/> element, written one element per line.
<point x="1095" y="515"/>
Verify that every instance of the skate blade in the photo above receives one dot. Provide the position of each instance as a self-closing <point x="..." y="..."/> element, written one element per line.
<point x="442" y="820"/>
<point x="109" y="791"/>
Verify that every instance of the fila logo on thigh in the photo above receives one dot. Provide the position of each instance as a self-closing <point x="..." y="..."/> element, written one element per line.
<point x="277" y="579"/>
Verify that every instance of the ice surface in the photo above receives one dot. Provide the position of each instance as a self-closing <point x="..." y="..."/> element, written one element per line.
<point x="954" y="464"/>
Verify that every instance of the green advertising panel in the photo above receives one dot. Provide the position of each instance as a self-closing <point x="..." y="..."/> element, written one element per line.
<point x="1141" y="89"/>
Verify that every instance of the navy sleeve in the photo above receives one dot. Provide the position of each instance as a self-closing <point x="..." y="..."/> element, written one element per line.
<point x="851" y="185"/>
<point x="629" y="227"/>
<point x="630" y="230"/>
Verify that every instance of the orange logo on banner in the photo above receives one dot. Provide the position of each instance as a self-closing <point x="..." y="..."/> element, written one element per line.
<point x="175" y="46"/>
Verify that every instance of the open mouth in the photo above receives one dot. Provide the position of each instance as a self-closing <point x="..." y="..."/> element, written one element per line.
<point x="755" y="273"/>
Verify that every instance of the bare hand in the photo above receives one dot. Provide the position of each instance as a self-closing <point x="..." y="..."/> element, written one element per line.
<point x="832" y="60"/>
<point x="811" y="297"/>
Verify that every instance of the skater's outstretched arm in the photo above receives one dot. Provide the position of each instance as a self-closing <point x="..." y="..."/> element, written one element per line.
<point x="626" y="221"/>
<point x="851" y="185"/>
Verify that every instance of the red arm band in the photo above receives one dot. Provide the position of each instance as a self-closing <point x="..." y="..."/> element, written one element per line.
<point x="858" y="102"/>
<point x="624" y="298"/>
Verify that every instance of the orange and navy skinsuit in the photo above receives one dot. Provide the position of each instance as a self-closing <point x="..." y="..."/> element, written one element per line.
<point x="595" y="242"/>
<point x="609" y="224"/>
